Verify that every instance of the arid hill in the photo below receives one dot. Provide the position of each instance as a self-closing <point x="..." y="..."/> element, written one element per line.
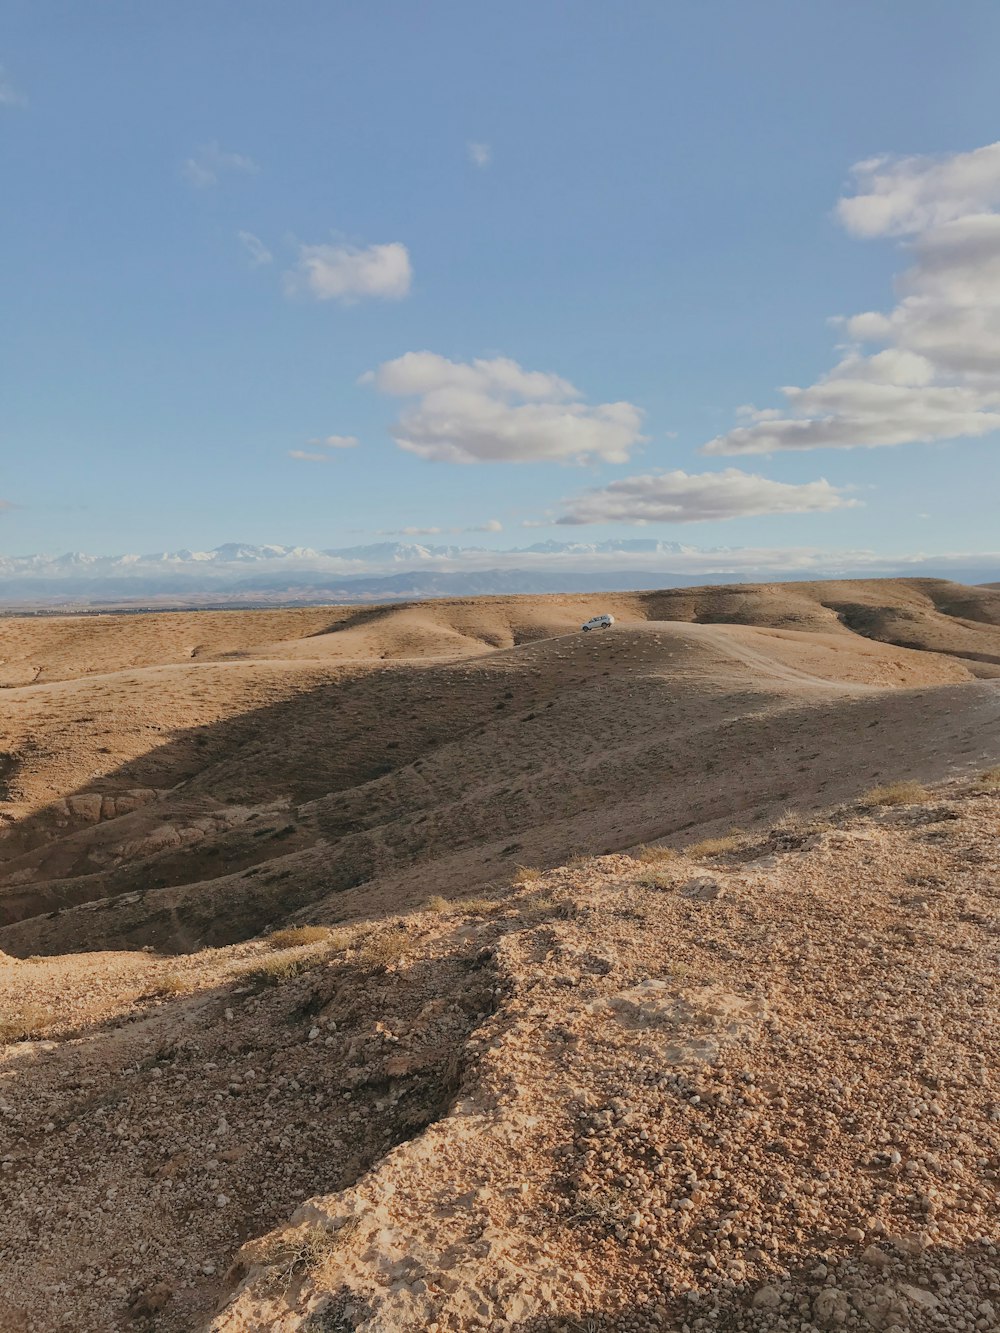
<point x="269" y="937"/>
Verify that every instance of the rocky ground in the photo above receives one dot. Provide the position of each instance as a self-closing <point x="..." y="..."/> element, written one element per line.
<point x="752" y="1086"/>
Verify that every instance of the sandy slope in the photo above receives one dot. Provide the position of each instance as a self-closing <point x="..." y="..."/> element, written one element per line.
<point x="173" y="786"/>
<point x="751" y="1091"/>
<point x="250" y="780"/>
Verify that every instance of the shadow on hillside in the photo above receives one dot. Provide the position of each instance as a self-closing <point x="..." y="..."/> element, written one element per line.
<point x="568" y="762"/>
<point x="316" y="1114"/>
<point x="339" y="738"/>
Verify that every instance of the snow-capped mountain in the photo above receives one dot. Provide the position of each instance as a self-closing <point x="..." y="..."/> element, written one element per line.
<point x="241" y="573"/>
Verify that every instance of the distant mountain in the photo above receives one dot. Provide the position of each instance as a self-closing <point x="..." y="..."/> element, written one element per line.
<point x="242" y="573"/>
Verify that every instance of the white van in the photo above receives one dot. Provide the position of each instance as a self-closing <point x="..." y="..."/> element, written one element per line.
<point x="597" y="622"/>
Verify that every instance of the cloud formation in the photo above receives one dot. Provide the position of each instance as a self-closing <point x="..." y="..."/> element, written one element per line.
<point x="255" y="248"/>
<point x="348" y="273"/>
<point x="323" y="442"/>
<point x="337" y="441"/>
<point x="494" y="411"/>
<point x="681" y="497"/>
<point x="480" y="154"/>
<point x="210" y="162"/>
<point x="937" y="376"/>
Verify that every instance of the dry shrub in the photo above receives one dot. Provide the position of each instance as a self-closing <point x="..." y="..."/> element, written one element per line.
<point x="171" y="983"/>
<point x="438" y="904"/>
<point x="476" y="906"/>
<point x="386" y="947"/>
<point x="990" y="780"/>
<point x="338" y="940"/>
<point x="714" y="846"/>
<point x="23" y="1022"/>
<point x="545" y="907"/>
<point x="276" y="971"/>
<point x="606" y="1206"/>
<point x="579" y="861"/>
<point x="294" y="936"/>
<point x="295" y="1254"/>
<point x="658" y="879"/>
<point x="527" y="875"/>
<point x="651" y="853"/>
<point x="896" y="793"/>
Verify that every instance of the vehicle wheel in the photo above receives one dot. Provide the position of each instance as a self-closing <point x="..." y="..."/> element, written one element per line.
<point x="585" y="628"/>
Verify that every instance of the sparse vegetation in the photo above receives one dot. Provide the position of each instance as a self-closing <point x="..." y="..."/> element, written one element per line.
<point x="386" y="947"/>
<point x="437" y="903"/>
<point x="477" y="906"/>
<point x="275" y="971"/>
<point x="527" y="875"/>
<point x="292" y="937"/>
<point x="990" y="779"/>
<point x="545" y="906"/>
<point x="714" y="846"/>
<point x="171" y="983"/>
<point x="896" y="793"/>
<point x="24" y="1022"/>
<point x="608" y="1207"/>
<point x="652" y="853"/>
<point x="658" y="879"/>
<point x="304" y="1251"/>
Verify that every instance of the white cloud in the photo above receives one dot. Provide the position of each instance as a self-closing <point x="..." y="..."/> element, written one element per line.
<point x="903" y="196"/>
<point x="495" y="411"/>
<point x="937" y="376"/>
<point x="306" y="456"/>
<point x="480" y="154"/>
<point x="209" y="162"/>
<point x="9" y="96"/>
<point x="255" y="247"/>
<point x="337" y="441"/>
<point x="491" y="525"/>
<point x="348" y="273"/>
<point x="681" y="497"/>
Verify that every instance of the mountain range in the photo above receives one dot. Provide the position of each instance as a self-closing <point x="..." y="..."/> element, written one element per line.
<point x="244" y="573"/>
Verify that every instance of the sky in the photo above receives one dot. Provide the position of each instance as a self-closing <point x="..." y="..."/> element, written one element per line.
<point x="329" y="273"/>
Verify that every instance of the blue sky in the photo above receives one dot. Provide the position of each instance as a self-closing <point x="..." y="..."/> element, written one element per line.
<point x="637" y="204"/>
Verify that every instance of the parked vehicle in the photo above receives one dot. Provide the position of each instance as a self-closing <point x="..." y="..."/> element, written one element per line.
<point x="597" y="622"/>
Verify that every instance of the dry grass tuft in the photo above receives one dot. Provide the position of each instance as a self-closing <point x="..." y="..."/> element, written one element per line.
<point x="477" y="906"/>
<point x="896" y="793"/>
<point x="24" y="1022"/>
<point x="294" y="936"/>
<point x="276" y="971"/>
<point x="438" y="904"/>
<point x="658" y="879"/>
<point x="715" y="846"/>
<point x="171" y="983"/>
<point x="527" y="875"/>
<point x="990" y="780"/>
<point x="652" y="853"/>
<point x="546" y="907"/>
<point x="383" y="949"/>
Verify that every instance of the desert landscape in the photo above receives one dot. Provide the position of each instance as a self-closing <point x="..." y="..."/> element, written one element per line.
<point x="437" y="966"/>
